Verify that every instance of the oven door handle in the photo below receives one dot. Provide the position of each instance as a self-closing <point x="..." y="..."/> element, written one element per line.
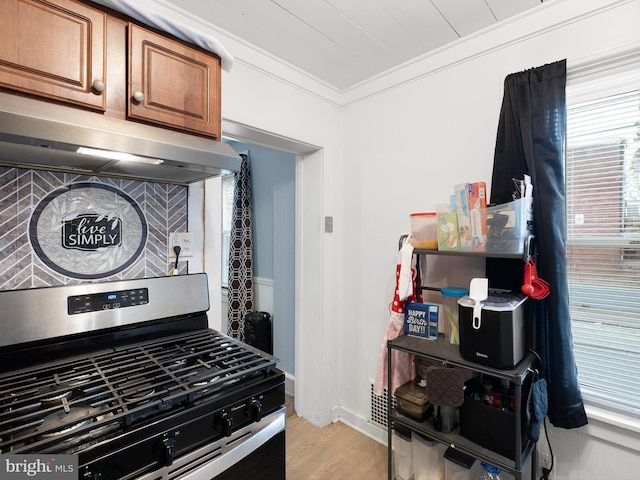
<point x="218" y="457"/>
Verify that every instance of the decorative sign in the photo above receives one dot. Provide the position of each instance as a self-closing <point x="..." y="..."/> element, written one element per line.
<point x="421" y="320"/>
<point x="88" y="230"/>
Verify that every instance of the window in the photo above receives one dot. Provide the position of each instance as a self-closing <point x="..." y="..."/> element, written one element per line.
<point x="228" y="187"/>
<point x="603" y="243"/>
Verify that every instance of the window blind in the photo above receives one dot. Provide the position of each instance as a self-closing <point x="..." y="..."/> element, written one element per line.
<point x="228" y="187"/>
<point x="603" y="246"/>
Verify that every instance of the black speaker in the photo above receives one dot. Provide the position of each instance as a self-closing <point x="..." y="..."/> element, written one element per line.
<point x="258" y="331"/>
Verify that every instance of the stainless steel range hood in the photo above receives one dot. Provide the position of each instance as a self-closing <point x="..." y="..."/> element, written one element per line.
<point x="40" y="135"/>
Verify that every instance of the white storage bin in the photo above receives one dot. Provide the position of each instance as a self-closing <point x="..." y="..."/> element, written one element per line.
<point x="428" y="460"/>
<point x="453" y="471"/>
<point x="403" y="455"/>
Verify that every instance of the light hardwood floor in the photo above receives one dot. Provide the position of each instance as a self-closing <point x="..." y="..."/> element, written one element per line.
<point x="336" y="452"/>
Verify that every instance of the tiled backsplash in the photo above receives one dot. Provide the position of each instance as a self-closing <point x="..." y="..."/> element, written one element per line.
<point x="162" y="209"/>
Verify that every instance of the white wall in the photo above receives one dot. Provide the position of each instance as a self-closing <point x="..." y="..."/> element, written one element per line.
<point x="395" y="145"/>
<point x="404" y="149"/>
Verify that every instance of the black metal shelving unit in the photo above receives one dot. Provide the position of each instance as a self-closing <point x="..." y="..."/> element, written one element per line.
<point x="527" y="251"/>
<point x="449" y="355"/>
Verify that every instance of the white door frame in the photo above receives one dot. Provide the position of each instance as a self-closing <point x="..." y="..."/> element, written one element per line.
<point x="312" y="397"/>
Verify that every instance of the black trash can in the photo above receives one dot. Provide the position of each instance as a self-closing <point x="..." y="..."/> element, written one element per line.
<point x="258" y="331"/>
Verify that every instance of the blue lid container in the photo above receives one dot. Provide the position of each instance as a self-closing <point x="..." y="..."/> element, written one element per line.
<point x="454" y="292"/>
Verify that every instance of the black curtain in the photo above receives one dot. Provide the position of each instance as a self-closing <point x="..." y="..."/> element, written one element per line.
<point x="531" y="140"/>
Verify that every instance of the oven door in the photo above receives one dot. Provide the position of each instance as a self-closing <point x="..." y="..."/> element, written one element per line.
<point x="256" y="451"/>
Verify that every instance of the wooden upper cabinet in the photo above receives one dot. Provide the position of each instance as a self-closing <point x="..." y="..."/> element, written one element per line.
<point x="173" y="84"/>
<point x="68" y="51"/>
<point x="53" y="49"/>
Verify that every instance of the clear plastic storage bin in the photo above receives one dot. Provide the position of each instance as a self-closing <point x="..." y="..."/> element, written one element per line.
<point x="403" y="454"/>
<point x="424" y="231"/>
<point x="428" y="462"/>
<point x="451" y="326"/>
<point x="508" y="225"/>
<point x="453" y="471"/>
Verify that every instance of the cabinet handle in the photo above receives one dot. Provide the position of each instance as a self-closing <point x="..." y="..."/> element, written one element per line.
<point x="98" y="85"/>
<point x="138" y="96"/>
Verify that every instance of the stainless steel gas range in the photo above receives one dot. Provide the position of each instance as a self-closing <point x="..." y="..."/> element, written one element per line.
<point x="127" y="376"/>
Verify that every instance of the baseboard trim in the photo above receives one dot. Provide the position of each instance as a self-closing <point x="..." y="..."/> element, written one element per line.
<point x="362" y="425"/>
<point x="289" y="384"/>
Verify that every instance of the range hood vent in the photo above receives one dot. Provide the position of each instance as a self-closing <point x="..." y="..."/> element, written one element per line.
<point x="40" y="135"/>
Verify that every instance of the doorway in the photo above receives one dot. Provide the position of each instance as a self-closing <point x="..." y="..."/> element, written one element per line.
<point x="306" y="295"/>
<point x="273" y="226"/>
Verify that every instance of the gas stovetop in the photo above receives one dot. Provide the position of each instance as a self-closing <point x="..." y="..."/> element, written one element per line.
<point x="68" y="405"/>
<point x="127" y="376"/>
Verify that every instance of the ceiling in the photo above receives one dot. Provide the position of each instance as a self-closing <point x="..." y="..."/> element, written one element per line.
<point x="345" y="42"/>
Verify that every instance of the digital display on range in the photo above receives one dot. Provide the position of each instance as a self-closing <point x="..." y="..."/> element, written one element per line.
<point x="96" y="302"/>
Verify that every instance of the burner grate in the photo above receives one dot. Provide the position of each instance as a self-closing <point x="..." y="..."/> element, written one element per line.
<point x="45" y="407"/>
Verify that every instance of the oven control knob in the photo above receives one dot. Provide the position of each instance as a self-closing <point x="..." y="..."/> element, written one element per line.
<point x="167" y="451"/>
<point x="225" y="423"/>
<point x="255" y="409"/>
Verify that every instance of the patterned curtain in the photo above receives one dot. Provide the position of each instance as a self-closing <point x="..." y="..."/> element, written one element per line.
<point x="240" y="289"/>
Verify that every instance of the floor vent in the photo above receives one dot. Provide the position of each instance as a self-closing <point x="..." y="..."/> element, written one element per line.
<point x="379" y="407"/>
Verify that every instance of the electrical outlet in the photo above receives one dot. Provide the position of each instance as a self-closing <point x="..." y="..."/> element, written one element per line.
<point x="544" y="462"/>
<point x="182" y="240"/>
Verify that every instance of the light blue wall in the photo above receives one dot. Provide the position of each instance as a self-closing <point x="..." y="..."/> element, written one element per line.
<point x="273" y="180"/>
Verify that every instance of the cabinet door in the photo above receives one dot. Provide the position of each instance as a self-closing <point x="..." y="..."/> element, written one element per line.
<point x="53" y="49"/>
<point x="172" y="84"/>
